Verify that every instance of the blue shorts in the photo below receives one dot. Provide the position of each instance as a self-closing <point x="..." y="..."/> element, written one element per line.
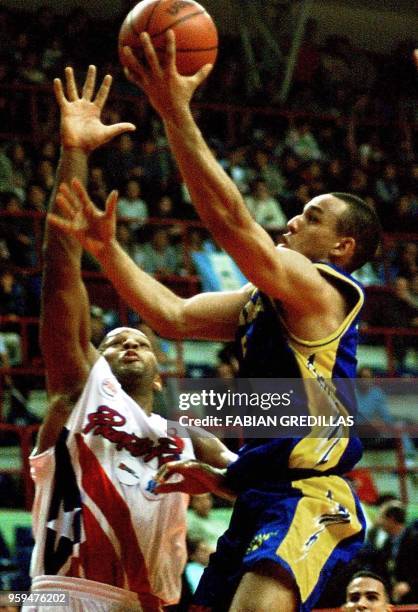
<point x="306" y="526"/>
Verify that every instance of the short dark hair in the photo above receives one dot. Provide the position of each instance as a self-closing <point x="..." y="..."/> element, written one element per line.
<point x="395" y="511"/>
<point x="365" y="573"/>
<point x="361" y="222"/>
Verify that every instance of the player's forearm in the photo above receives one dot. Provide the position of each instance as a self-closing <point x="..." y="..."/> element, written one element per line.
<point x="213" y="193"/>
<point x="157" y="305"/>
<point x="60" y="249"/>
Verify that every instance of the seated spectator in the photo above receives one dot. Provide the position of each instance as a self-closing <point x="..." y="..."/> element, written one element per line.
<point x="302" y="142"/>
<point x="268" y="172"/>
<point x="164" y="209"/>
<point x="198" y="559"/>
<point x="367" y="591"/>
<point x="238" y="169"/>
<point x="131" y="205"/>
<point x="399" y="551"/>
<point x="202" y="522"/>
<point x="373" y="273"/>
<point x="373" y="408"/>
<point x="396" y="309"/>
<point x="159" y="256"/>
<point x="97" y="324"/>
<point x="127" y="240"/>
<point x="336" y="175"/>
<point x="18" y="233"/>
<point x="406" y="260"/>
<point x="406" y="213"/>
<point x="264" y="208"/>
<point x="36" y="198"/>
<point x="387" y="188"/>
<point x="97" y="185"/>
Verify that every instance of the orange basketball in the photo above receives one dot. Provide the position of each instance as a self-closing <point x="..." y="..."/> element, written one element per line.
<point x="195" y="31"/>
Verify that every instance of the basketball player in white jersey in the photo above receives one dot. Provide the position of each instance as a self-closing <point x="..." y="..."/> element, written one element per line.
<point x="100" y="534"/>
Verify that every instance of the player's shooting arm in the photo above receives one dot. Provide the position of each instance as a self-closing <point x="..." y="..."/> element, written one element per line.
<point x="206" y="316"/>
<point x="285" y="276"/>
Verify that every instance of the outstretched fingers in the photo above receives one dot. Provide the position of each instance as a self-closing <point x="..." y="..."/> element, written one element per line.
<point x="134" y="71"/>
<point x="111" y="203"/>
<point x="59" y="93"/>
<point x="79" y="193"/>
<point x="150" y="54"/>
<point x="89" y="83"/>
<point x="103" y="92"/>
<point x="72" y="93"/>
<point x="62" y="224"/>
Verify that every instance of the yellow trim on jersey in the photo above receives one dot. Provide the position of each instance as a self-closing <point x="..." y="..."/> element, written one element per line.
<point x="317" y="528"/>
<point x="348" y="319"/>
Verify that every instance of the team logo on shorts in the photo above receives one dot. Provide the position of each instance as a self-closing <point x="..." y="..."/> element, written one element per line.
<point x="259" y="540"/>
<point x="109" y="387"/>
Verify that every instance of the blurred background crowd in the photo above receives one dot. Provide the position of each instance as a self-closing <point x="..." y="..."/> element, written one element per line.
<point x="349" y="123"/>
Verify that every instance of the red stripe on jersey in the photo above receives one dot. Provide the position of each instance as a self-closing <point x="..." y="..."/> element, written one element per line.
<point x="104" y="494"/>
<point x="99" y="561"/>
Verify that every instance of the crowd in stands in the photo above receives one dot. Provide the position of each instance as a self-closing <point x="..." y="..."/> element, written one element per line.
<point x="348" y="125"/>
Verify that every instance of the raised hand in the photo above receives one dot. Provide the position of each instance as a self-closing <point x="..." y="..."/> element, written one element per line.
<point x="80" y="218"/>
<point x="166" y="89"/>
<point x="81" y="125"/>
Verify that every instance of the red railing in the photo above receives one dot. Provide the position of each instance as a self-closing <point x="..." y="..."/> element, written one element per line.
<point x="235" y="116"/>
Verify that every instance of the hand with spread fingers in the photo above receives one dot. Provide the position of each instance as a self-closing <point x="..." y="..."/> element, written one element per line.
<point x="167" y="90"/>
<point x="81" y="124"/>
<point x="93" y="228"/>
<point x="197" y="478"/>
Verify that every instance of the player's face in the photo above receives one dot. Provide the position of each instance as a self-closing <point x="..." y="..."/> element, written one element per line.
<point x="366" y="595"/>
<point x="129" y="352"/>
<point x="314" y="232"/>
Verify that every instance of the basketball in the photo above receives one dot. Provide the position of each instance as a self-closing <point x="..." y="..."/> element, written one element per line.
<point x="194" y="29"/>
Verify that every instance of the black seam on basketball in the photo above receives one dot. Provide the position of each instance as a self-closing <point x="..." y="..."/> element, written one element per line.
<point x="151" y="14"/>
<point x="172" y="25"/>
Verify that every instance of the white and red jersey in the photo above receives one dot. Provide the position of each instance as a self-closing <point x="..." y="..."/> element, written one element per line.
<point x="93" y="516"/>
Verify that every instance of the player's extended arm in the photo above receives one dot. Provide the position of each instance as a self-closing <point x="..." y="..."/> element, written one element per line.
<point x="280" y="273"/>
<point x="206" y="316"/>
<point x="65" y="317"/>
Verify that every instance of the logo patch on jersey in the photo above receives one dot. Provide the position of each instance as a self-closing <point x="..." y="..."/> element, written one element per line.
<point x="109" y="387"/>
<point x="104" y="422"/>
<point x="127" y="471"/>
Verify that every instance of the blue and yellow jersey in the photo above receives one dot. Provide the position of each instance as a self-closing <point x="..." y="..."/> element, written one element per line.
<point x="268" y="349"/>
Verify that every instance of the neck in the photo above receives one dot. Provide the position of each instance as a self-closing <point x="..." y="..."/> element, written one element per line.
<point x="144" y="398"/>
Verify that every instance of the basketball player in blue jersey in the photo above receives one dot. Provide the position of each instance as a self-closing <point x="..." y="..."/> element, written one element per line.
<point x="295" y="517"/>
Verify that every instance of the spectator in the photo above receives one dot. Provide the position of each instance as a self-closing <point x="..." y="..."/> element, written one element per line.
<point x="406" y="260"/>
<point x="17" y="232"/>
<point x="398" y="552"/>
<point x="373" y="408"/>
<point x="97" y="325"/>
<point x="36" y="198"/>
<point x="159" y="256"/>
<point x="127" y="241"/>
<point x="131" y="205"/>
<point x="367" y="591"/>
<point x="237" y="167"/>
<point x="97" y="183"/>
<point x="302" y="142"/>
<point x="387" y="187"/>
<point x="201" y="521"/>
<point x="198" y="559"/>
<point x="264" y="208"/>
<point x="268" y="172"/>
